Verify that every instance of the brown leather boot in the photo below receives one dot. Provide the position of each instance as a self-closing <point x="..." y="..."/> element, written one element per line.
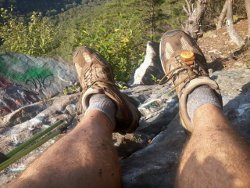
<point x="184" y="63"/>
<point x="95" y="76"/>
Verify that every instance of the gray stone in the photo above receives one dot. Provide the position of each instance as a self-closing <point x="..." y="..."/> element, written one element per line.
<point x="235" y="87"/>
<point x="44" y="76"/>
<point x="155" y="165"/>
<point x="150" y="70"/>
<point x="25" y="80"/>
<point x="158" y="106"/>
<point x="25" y="122"/>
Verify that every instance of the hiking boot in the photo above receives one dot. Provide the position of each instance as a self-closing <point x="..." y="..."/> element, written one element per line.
<point x="95" y="76"/>
<point x="185" y="65"/>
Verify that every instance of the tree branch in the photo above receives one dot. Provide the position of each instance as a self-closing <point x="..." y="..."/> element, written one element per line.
<point x="222" y="15"/>
<point x="193" y="23"/>
<point x="235" y="37"/>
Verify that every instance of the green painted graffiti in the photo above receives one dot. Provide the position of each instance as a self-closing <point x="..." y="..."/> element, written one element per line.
<point x="37" y="77"/>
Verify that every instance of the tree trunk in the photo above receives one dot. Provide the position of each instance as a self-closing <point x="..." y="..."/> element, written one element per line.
<point x="230" y="26"/>
<point x="152" y="20"/>
<point x="192" y="25"/>
<point x="222" y="15"/>
<point x="247" y="3"/>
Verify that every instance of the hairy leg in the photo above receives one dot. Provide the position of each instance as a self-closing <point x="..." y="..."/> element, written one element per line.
<point x="83" y="158"/>
<point x="215" y="155"/>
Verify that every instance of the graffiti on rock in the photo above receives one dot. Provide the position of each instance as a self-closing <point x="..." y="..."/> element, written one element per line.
<point x="39" y="78"/>
<point x="36" y="77"/>
<point x="20" y="84"/>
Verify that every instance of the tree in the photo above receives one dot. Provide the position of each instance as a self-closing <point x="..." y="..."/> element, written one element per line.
<point x="247" y="4"/>
<point x="222" y="15"/>
<point x="227" y="12"/>
<point x="153" y="14"/>
<point x="195" y="15"/>
<point x="235" y="37"/>
<point x="116" y="35"/>
<point x="37" y="37"/>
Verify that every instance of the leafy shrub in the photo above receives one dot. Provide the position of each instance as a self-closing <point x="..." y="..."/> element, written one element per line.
<point x="37" y="37"/>
<point x="119" y="30"/>
<point x="121" y="35"/>
<point x="117" y="36"/>
<point x="116" y="45"/>
<point x="247" y="60"/>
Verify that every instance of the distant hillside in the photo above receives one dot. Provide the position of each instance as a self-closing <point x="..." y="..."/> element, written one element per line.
<point x="118" y="29"/>
<point x="47" y="7"/>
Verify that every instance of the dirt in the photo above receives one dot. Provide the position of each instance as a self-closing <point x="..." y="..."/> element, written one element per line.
<point x="221" y="52"/>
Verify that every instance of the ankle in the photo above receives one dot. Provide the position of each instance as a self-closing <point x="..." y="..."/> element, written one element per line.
<point x="105" y="105"/>
<point x="214" y="121"/>
<point x="200" y="96"/>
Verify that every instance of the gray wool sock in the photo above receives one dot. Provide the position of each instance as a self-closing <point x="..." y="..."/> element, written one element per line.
<point x="104" y="104"/>
<point x="200" y="96"/>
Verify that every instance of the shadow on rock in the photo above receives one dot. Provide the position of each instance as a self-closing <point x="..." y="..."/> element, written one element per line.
<point x="156" y="164"/>
<point x="216" y="64"/>
<point x="238" y="109"/>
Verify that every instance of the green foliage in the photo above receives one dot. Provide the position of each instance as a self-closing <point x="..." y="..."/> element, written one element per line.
<point x="37" y="37"/>
<point x="153" y="14"/>
<point x="71" y="89"/>
<point x="247" y="60"/>
<point x="48" y="7"/>
<point x="175" y="15"/>
<point x="117" y="47"/>
<point x="122" y="85"/>
<point x="113" y="35"/>
<point x="118" y="29"/>
<point x="116" y="38"/>
<point x="155" y="79"/>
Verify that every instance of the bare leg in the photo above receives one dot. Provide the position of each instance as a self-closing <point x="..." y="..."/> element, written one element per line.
<point x="215" y="155"/>
<point x="86" y="156"/>
<point x="83" y="158"/>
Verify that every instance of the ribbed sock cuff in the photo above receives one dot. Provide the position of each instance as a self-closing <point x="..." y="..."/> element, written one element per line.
<point x="104" y="104"/>
<point x="200" y="96"/>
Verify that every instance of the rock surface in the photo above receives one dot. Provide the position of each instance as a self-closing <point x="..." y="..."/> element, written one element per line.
<point x="150" y="155"/>
<point x="150" y="70"/>
<point x="25" y="80"/>
<point x="155" y="164"/>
